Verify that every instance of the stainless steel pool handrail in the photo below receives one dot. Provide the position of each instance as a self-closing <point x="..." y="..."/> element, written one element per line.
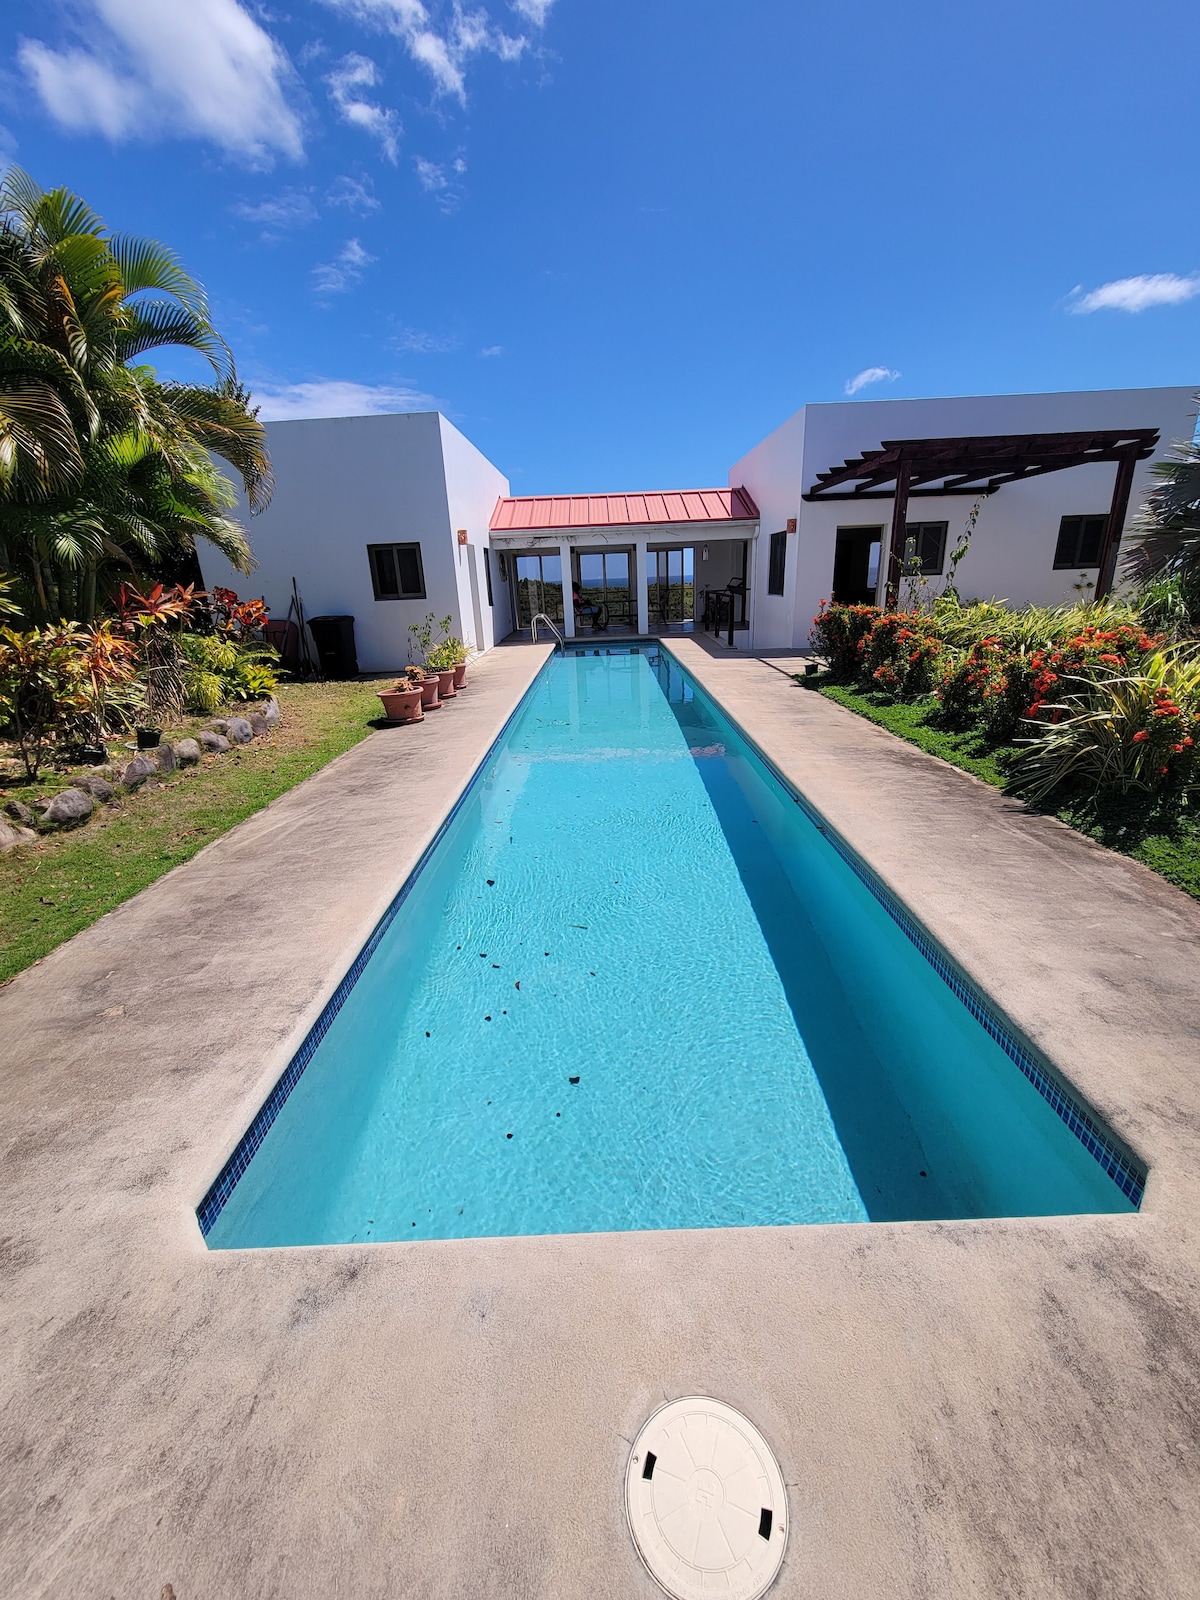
<point x="541" y="616"/>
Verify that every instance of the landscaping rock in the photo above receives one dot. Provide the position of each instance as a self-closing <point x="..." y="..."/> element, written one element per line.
<point x="270" y="711"/>
<point x="220" y="724"/>
<point x="11" y="837"/>
<point x="138" y="770"/>
<point x="258" y="724"/>
<point x="68" y="808"/>
<point x="99" y="788"/>
<point x="216" y="742"/>
<point x="187" y="752"/>
<point x="164" y="757"/>
<point x="238" y="730"/>
<point x="19" y="812"/>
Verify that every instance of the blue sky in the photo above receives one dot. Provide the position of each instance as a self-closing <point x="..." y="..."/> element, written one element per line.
<point x="619" y="242"/>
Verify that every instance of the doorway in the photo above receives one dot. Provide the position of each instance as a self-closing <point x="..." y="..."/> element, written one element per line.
<point x="671" y="585"/>
<point x="539" y="588"/>
<point x="603" y="588"/>
<point x="856" y="566"/>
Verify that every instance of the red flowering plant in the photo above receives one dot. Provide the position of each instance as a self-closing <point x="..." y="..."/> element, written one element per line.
<point x="236" y="619"/>
<point x="838" y="633"/>
<point x="1000" y="683"/>
<point x="1133" y="730"/>
<point x="901" y="654"/>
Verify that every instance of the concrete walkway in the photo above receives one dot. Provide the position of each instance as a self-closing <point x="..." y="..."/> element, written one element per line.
<point x="998" y="1408"/>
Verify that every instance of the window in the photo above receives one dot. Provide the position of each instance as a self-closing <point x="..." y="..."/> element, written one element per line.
<point x="1079" y="540"/>
<point x="778" y="563"/>
<point x="487" y="572"/>
<point x="927" y="546"/>
<point x="396" y="571"/>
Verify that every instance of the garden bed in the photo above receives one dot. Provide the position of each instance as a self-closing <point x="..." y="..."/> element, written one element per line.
<point x="1166" y="841"/>
<point x="61" y="884"/>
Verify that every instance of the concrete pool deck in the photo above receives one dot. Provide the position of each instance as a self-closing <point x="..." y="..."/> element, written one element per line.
<point x="997" y="1408"/>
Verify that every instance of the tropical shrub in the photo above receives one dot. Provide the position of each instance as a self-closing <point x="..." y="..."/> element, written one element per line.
<point x="217" y="669"/>
<point x="901" y="654"/>
<point x="838" y="633"/>
<point x="64" y="684"/>
<point x="1138" y="730"/>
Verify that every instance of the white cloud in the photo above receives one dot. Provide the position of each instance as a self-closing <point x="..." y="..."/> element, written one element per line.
<point x="444" y="52"/>
<point x="351" y="75"/>
<point x="336" y="397"/>
<point x="492" y="350"/>
<point x="440" y="179"/>
<point x="291" y="208"/>
<point x="344" y="271"/>
<point x="1138" y="294"/>
<point x="860" y="380"/>
<point x="146" y="68"/>
<point x="356" y="194"/>
<point x="423" y="343"/>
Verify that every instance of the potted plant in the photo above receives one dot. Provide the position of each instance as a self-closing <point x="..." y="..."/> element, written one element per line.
<point x="402" y="702"/>
<point x="441" y="661"/>
<point x="455" y="649"/>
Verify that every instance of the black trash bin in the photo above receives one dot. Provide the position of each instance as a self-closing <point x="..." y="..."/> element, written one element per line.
<point x="334" y="639"/>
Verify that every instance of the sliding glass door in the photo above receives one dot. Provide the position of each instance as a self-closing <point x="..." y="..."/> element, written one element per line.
<point x="671" y="585"/>
<point x="539" y="588"/>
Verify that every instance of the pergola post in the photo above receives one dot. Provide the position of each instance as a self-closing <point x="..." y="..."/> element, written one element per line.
<point x="1115" y="525"/>
<point x="899" y="533"/>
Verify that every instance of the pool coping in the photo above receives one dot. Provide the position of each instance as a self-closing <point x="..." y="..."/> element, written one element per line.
<point x="1002" y="1408"/>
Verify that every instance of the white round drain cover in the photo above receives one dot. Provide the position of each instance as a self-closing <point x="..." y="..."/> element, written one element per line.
<point x="705" y="1501"/>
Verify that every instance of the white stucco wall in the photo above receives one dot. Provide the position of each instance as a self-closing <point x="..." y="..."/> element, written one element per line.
<point x="1012" y="552"/>
<point x="343" y="483"/>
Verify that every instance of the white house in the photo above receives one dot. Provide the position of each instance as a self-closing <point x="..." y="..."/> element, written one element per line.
<point x="1038" y="536"/>
<point x="388" y="518"/>
<point x="383" y="519"/>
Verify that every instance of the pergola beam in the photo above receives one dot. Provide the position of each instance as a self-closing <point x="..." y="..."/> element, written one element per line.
<point x="1003" y="458"/>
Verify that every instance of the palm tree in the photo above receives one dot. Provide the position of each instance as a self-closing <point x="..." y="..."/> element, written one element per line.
<point x="100" y="463"/>
<point x="1163" y="557"/>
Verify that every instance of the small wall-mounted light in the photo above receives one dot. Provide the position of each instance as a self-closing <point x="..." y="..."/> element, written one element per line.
<point x="791" y="524"/>
<point x="704" y="552"/>
<point x="462" y="536"/>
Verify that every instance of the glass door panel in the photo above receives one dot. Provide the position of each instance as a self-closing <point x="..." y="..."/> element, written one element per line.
<point x="671" y="585"/>
<point x="602" y="591"/>
<point x="539" y="588"/>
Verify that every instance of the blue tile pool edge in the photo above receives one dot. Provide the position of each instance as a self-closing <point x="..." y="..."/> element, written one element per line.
<point x="1121" y="1165"/>
<point x="1126" y="1169"/>
<point x="217" y="1195"/>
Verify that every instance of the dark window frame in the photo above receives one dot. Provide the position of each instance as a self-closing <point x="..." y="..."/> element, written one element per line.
<point x="777" y="563"/>
<point x="932" y="563"/>
<point x="487" y="574"/>
<point x="1075" y="535"/>
<point x="410" y="547"/>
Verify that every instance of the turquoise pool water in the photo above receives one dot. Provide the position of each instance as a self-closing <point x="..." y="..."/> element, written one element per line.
<point x="636" y="986"/>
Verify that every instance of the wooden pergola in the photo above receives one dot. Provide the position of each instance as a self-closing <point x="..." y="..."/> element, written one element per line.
<point x="980" y="466"/>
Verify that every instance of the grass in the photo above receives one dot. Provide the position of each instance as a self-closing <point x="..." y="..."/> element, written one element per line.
<point x="53" y="889"/>
<point x="1164" y="840"/>
<point x="968" y="750"/>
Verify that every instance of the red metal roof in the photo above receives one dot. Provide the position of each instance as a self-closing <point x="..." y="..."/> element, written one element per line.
<point x="622" y="510"/>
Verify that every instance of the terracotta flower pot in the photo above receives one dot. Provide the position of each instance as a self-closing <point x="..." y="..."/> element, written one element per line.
<point x="460" y="675"/>
<point x="430" y="700"/>
<point x="402" y="705"/>
<point x="446" y="684"/>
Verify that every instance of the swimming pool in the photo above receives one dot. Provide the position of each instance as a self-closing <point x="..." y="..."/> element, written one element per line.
<point x="637" y="983"/>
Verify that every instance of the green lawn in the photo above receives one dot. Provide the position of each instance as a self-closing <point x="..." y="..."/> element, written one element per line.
<point x="60" y="885"/>
<point x="1170" y="844"/>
